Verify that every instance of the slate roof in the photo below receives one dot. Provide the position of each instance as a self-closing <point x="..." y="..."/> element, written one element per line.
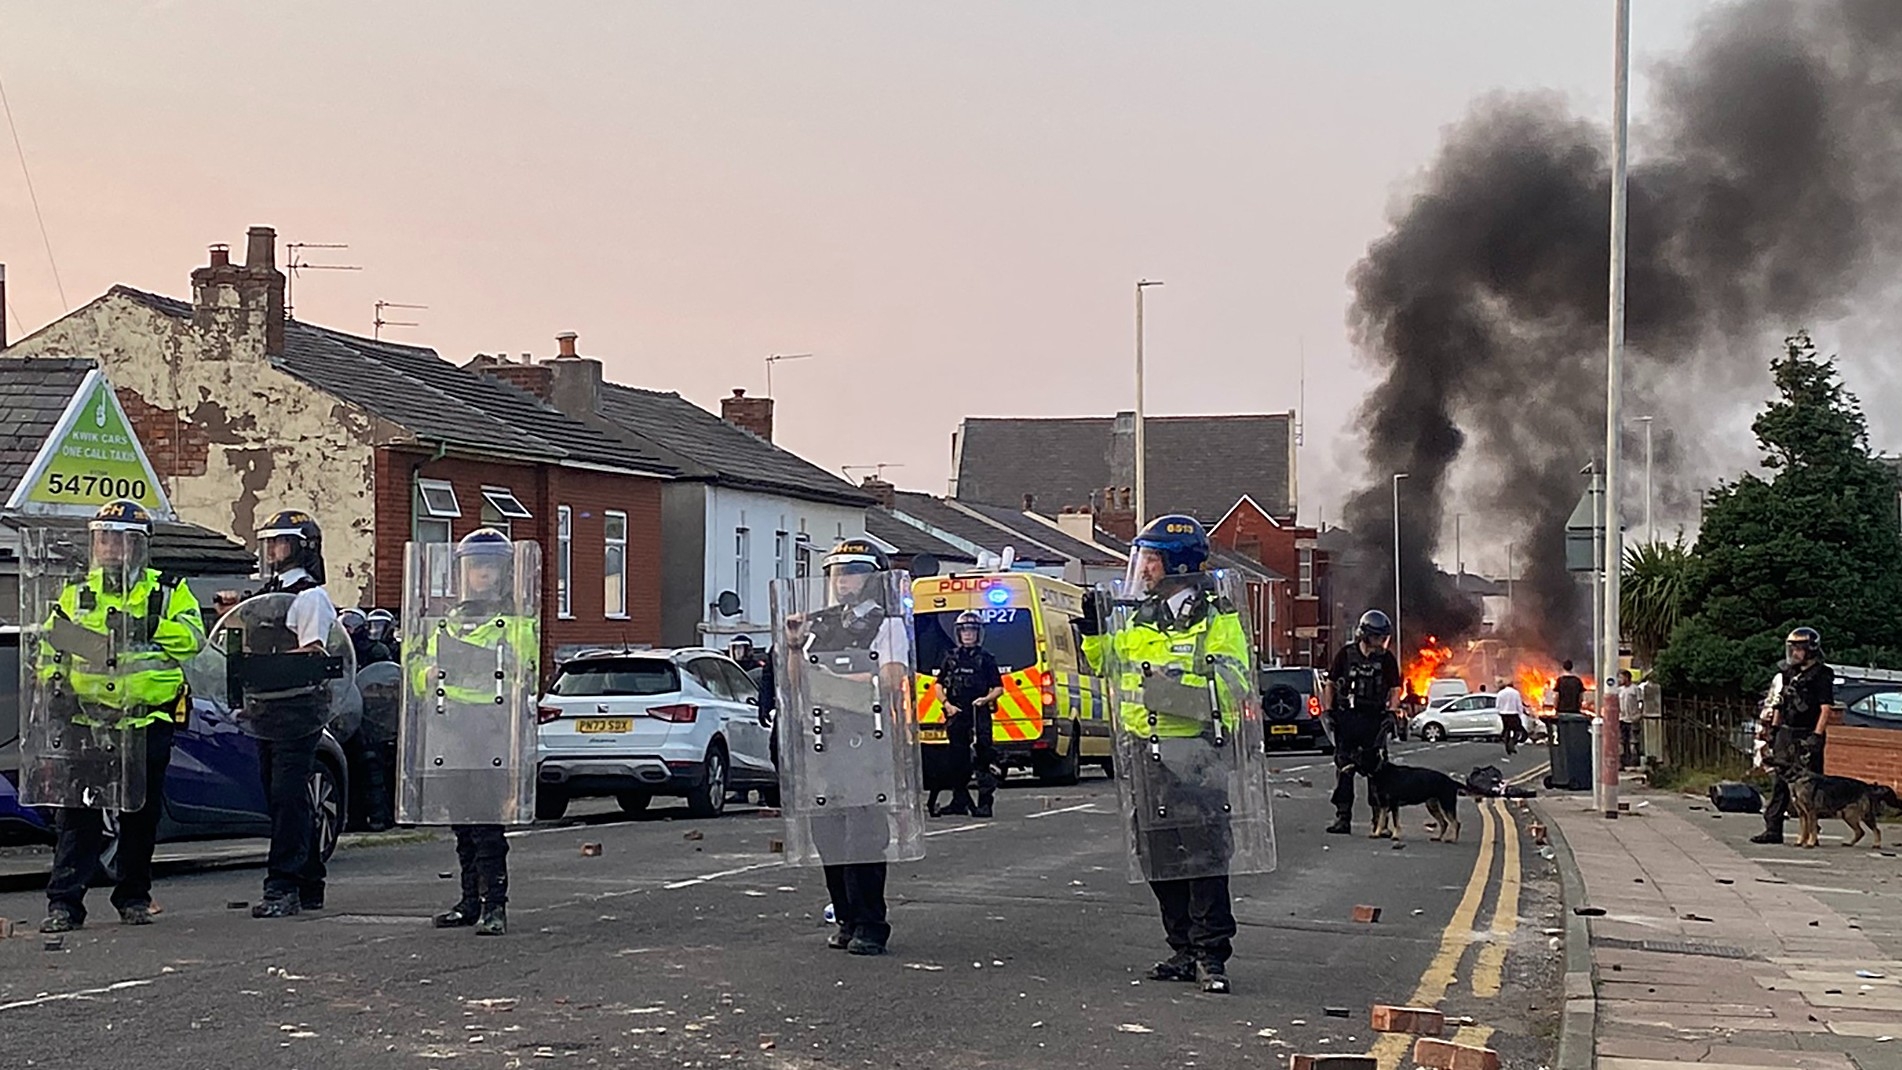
<point x="911" y="539"/>
<point x="412" y="387"/>
<point x="177" y="548"/>
<point x="725" y="454"/>
<point x="34" y="391"/>
<point x="975" y="530"/>
<point x="1223" y="557"/>
<point x="1199" y="465"/>
<point x="1032" y="528"/>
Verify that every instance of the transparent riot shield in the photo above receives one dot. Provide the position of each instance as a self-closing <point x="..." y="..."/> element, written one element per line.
<point x="848" y="737"/>
<point x="78" y="644"/>
<point x="1190" y="762"/>
<point x="278" y="689"/>
<point x="471" y="669"/>
<point x="381" y="686"/>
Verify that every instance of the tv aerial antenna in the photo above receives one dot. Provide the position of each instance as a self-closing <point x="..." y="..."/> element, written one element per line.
<point x="877" y="470"/>
<point x="296" y="265"/>
<point x="775" y="359"/>
<point x="381" y="323"/>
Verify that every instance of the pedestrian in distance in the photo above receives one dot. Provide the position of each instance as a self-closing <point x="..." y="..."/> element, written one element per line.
<point x="1568" y="691"/>
<point x="1630" y="718"/>
<point x="109" y="666"/>
<point x="1363" y="689"/>
<point x="1512" y="715"/>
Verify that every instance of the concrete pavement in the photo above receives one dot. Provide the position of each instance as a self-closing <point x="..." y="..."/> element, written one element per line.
<point x="1716" y="951"/>
<point x="1018" y="943"/>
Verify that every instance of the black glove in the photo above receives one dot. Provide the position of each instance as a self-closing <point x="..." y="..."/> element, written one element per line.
<point x="1088" y="623"/>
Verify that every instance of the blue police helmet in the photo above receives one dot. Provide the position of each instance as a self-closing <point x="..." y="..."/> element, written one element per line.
<point x="485" y="543"/>
<point x="1181" y="541"/>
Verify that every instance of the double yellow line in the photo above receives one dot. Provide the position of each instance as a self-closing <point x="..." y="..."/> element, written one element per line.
<point x="1488" y="971"/>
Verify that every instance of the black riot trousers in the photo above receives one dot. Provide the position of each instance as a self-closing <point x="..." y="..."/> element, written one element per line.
<point x="1354" y="735"/>
<point x="1792" y="754"/>
<point x="1197" y="917"/>
<point x="858" y="900"/>
<point x="978" y="743"/>
<point x="82" y="835"/>
<point x="296" y="862"/>
<point x="483" y="852"/>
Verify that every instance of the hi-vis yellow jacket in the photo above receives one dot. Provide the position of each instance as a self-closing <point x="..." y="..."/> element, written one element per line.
<point x="162" y="630"/>
<point x="520" y="635"/>
<point x="1178" y="650"/>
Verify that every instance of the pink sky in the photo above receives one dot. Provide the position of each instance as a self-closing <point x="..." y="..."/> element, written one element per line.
<point x="947" y="203"/>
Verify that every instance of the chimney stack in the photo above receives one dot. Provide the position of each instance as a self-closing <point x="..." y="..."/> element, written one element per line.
<point x="885" y="494"/>
<point x="748" y="414"/>
<point x="566" y="340"/>
<point x="1030" y="503"/>
<point x="260" y="249"/>
<point x="221" y="255"/>
<point x="245" y="304"/>
<point x="1118" y="516"/>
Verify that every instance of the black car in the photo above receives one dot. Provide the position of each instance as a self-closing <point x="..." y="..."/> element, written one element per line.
<point x="1869" y="703"/>
<point x="1291" y="709"/>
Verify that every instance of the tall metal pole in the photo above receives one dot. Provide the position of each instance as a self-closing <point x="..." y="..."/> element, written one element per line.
<point x="1399" y="651"/>
<point x="1142" y="456"/>
<point x="1650" y="526"/>
<point x="1608" y="751"/>
<point x="1459" y="558"/>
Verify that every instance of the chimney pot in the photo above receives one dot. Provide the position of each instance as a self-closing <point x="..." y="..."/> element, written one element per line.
<point x="260" y="250"/>
<point x="739" y="391"/>
<point x="220" y="255"/>
<point x="566" y="340"/>
<point x="1030" y="503"/>
<point x="748" y="414"/>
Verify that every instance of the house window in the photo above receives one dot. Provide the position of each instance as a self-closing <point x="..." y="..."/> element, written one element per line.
<point x="742" y="563"/>
<point x="802" y="557"/>
<point x="564" y="561"/>
<point x="614" y="564"/>
<point x="1306" y="589"/>
<point x="500" y="508"/>
<point x="435" y="508"/>
<point x="781" y="564"/>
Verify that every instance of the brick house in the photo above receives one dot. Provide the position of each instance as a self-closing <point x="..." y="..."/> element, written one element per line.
<point x="244" y="411"/>
<point x="1303" y="632"/>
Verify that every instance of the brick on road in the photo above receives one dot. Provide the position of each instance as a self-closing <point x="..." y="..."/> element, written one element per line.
<point x="1446" y="1055"/>
<point x="1421" y="1021"/>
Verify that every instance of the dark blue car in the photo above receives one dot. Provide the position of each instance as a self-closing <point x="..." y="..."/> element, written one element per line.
<point x="213" y="789"/>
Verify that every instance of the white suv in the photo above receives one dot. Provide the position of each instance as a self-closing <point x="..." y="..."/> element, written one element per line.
<point x="636" y="724"/>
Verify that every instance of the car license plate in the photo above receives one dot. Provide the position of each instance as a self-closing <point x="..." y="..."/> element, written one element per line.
<point x="932" y="735"/>
<point x="591" y="725"/>
<point x="1282" y="730"/>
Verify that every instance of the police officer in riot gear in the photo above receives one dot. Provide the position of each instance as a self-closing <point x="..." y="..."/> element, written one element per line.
<point x="1798" y="724"/>
<point x="379" y="627"/>
<point x="485" y="617"/>
<point x="291" y="561"/>
<point x="156" y="625"/>
<point x="1363" y="690"/>
<point x="856" y="617"/>
<point x="972" y="684"/>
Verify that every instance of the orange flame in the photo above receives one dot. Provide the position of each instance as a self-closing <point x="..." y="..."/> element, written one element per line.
<point x="1424" y="666"/>
<point x="1483" y="664"/>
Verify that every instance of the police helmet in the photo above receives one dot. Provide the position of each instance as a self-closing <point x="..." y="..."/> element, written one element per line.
<point x="352" y="619"/>
<point x="129" y="526"/>
<point x="1805" y="638"/>
<point x="972" y="620"/>
<point x="856" y="556"/>
<point x="486" y="546"/>
<point x="739" y="647"/>
<point x="380" y="623"/>
<point x="1181" y="541"/>
<point x="301" y="527"/>
<point x="1374" y="625"/>
<point x="122" y="516"/>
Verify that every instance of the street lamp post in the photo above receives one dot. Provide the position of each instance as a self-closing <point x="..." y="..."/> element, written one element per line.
<point x="1142" y="496"/>
<point x="1650" y="528"/>
<point x="1607" y="760"/>
<point x="1399" y="649"/>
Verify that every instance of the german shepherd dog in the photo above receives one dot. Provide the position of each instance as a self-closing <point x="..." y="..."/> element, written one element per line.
<point x="1859" y="804"/>
<point x="1391" y="786"/>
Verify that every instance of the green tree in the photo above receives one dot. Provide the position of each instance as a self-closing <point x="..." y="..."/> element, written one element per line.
<point x="1817" y="543"/>
<point x="1652" y="594"/>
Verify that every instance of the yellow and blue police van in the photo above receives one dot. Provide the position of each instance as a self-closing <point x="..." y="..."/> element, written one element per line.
<point x="1054" y="715"/>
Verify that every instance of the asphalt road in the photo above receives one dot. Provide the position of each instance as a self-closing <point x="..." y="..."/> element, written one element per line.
<point x="1018" y="943"/>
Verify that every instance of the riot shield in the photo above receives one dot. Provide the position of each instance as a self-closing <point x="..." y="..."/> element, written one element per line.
<point x="471" y="673"/>
<point x="277" y="689"/>
<point x="381" y="685"/>
<point x="76" y="652"/>
<point x="1190" y="763"/>
<point x="848" y="737"/>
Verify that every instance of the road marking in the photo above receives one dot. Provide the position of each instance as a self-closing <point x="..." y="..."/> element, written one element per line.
<point x="959" y="828"/>
<point x="1392" y="1047"/>
<point x="1053" y="813"/>
<point x="1490" y="968"/>
<point x="83" y="993"/>
<point x="691" y="881"/>
<point x="1473" y="1035"/>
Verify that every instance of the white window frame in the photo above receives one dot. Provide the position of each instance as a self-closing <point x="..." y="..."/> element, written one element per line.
<point x="743" y="564"/>
<point x="432" y="524"/>
<point x="802" y="556"/>
<point x="564" y="562"/>
<point x="609" y="544"/>
<point x="434" y="510"/>
<point x="1305" y="587"/>
<point x="501" y="508"/>
<point x="782" y="563"/>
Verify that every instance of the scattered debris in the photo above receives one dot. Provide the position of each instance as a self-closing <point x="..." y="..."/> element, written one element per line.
<point x="55" y="942"/>
<point x="777" y="847"/>
<point x="1283" y="793"/>
<point x="1537" y="828"/>
<point x="503" y="1003"/>
<point x="1304" y="782"/>
<point x="1693" y="917"/>
<point x="1446" y="1055"/>
<point x="6" y="928"/>
<point x="1132" y="1027"/>
<point x="1869" y="975"/>
<point x="446" y="875"/>
<point x="1334" y="1012"/>
<point x="928" y="967"/>
<point x="1366" y="915"/>
<point x="1589" y="912"/>
<point x="237" y="904"/>
<point x="588" y="850"/>
<point x="694" y="834"/>
<point x="1036" y="1025"/>
<point x="1420" y="1021"/>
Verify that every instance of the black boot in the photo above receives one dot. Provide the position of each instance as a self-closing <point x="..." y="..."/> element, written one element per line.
<point x="983" y="805"/>
<point x="1768" y="836"/>
<point x="839" y="940"/>
<point x="1177" y="967"/>
<point x="495" y="921"/>
<point x="279" y="905"/>
<point x="458" y="916"/>
<point x="1213" y="978"/>
<point x="60" y="920"/>
<point x="1343" y="824"/>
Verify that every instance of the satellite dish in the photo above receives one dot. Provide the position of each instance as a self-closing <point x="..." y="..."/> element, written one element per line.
<point x="728" y="604"/>
<point x="924" y="565"/>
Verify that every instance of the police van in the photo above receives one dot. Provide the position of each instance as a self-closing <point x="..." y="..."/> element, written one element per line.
<point x="1054" y="714"/>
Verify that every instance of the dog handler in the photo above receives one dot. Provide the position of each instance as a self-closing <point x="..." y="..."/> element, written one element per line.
<point x="1797" y="724"/>
<point x="1363" y="688"/>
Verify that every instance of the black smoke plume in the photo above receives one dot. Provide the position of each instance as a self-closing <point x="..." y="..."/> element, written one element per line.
<point x="1763" y="194"/>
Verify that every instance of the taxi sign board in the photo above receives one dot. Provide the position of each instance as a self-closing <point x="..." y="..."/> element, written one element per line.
<point x="91" y="458"/>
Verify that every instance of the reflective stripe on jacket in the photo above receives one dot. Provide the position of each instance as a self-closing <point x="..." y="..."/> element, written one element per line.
<point x="160" y="635"/>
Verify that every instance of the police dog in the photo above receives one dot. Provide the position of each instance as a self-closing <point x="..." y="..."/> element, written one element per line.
<point x="1391" y="787"/>
<point x="1858" y="803"/>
